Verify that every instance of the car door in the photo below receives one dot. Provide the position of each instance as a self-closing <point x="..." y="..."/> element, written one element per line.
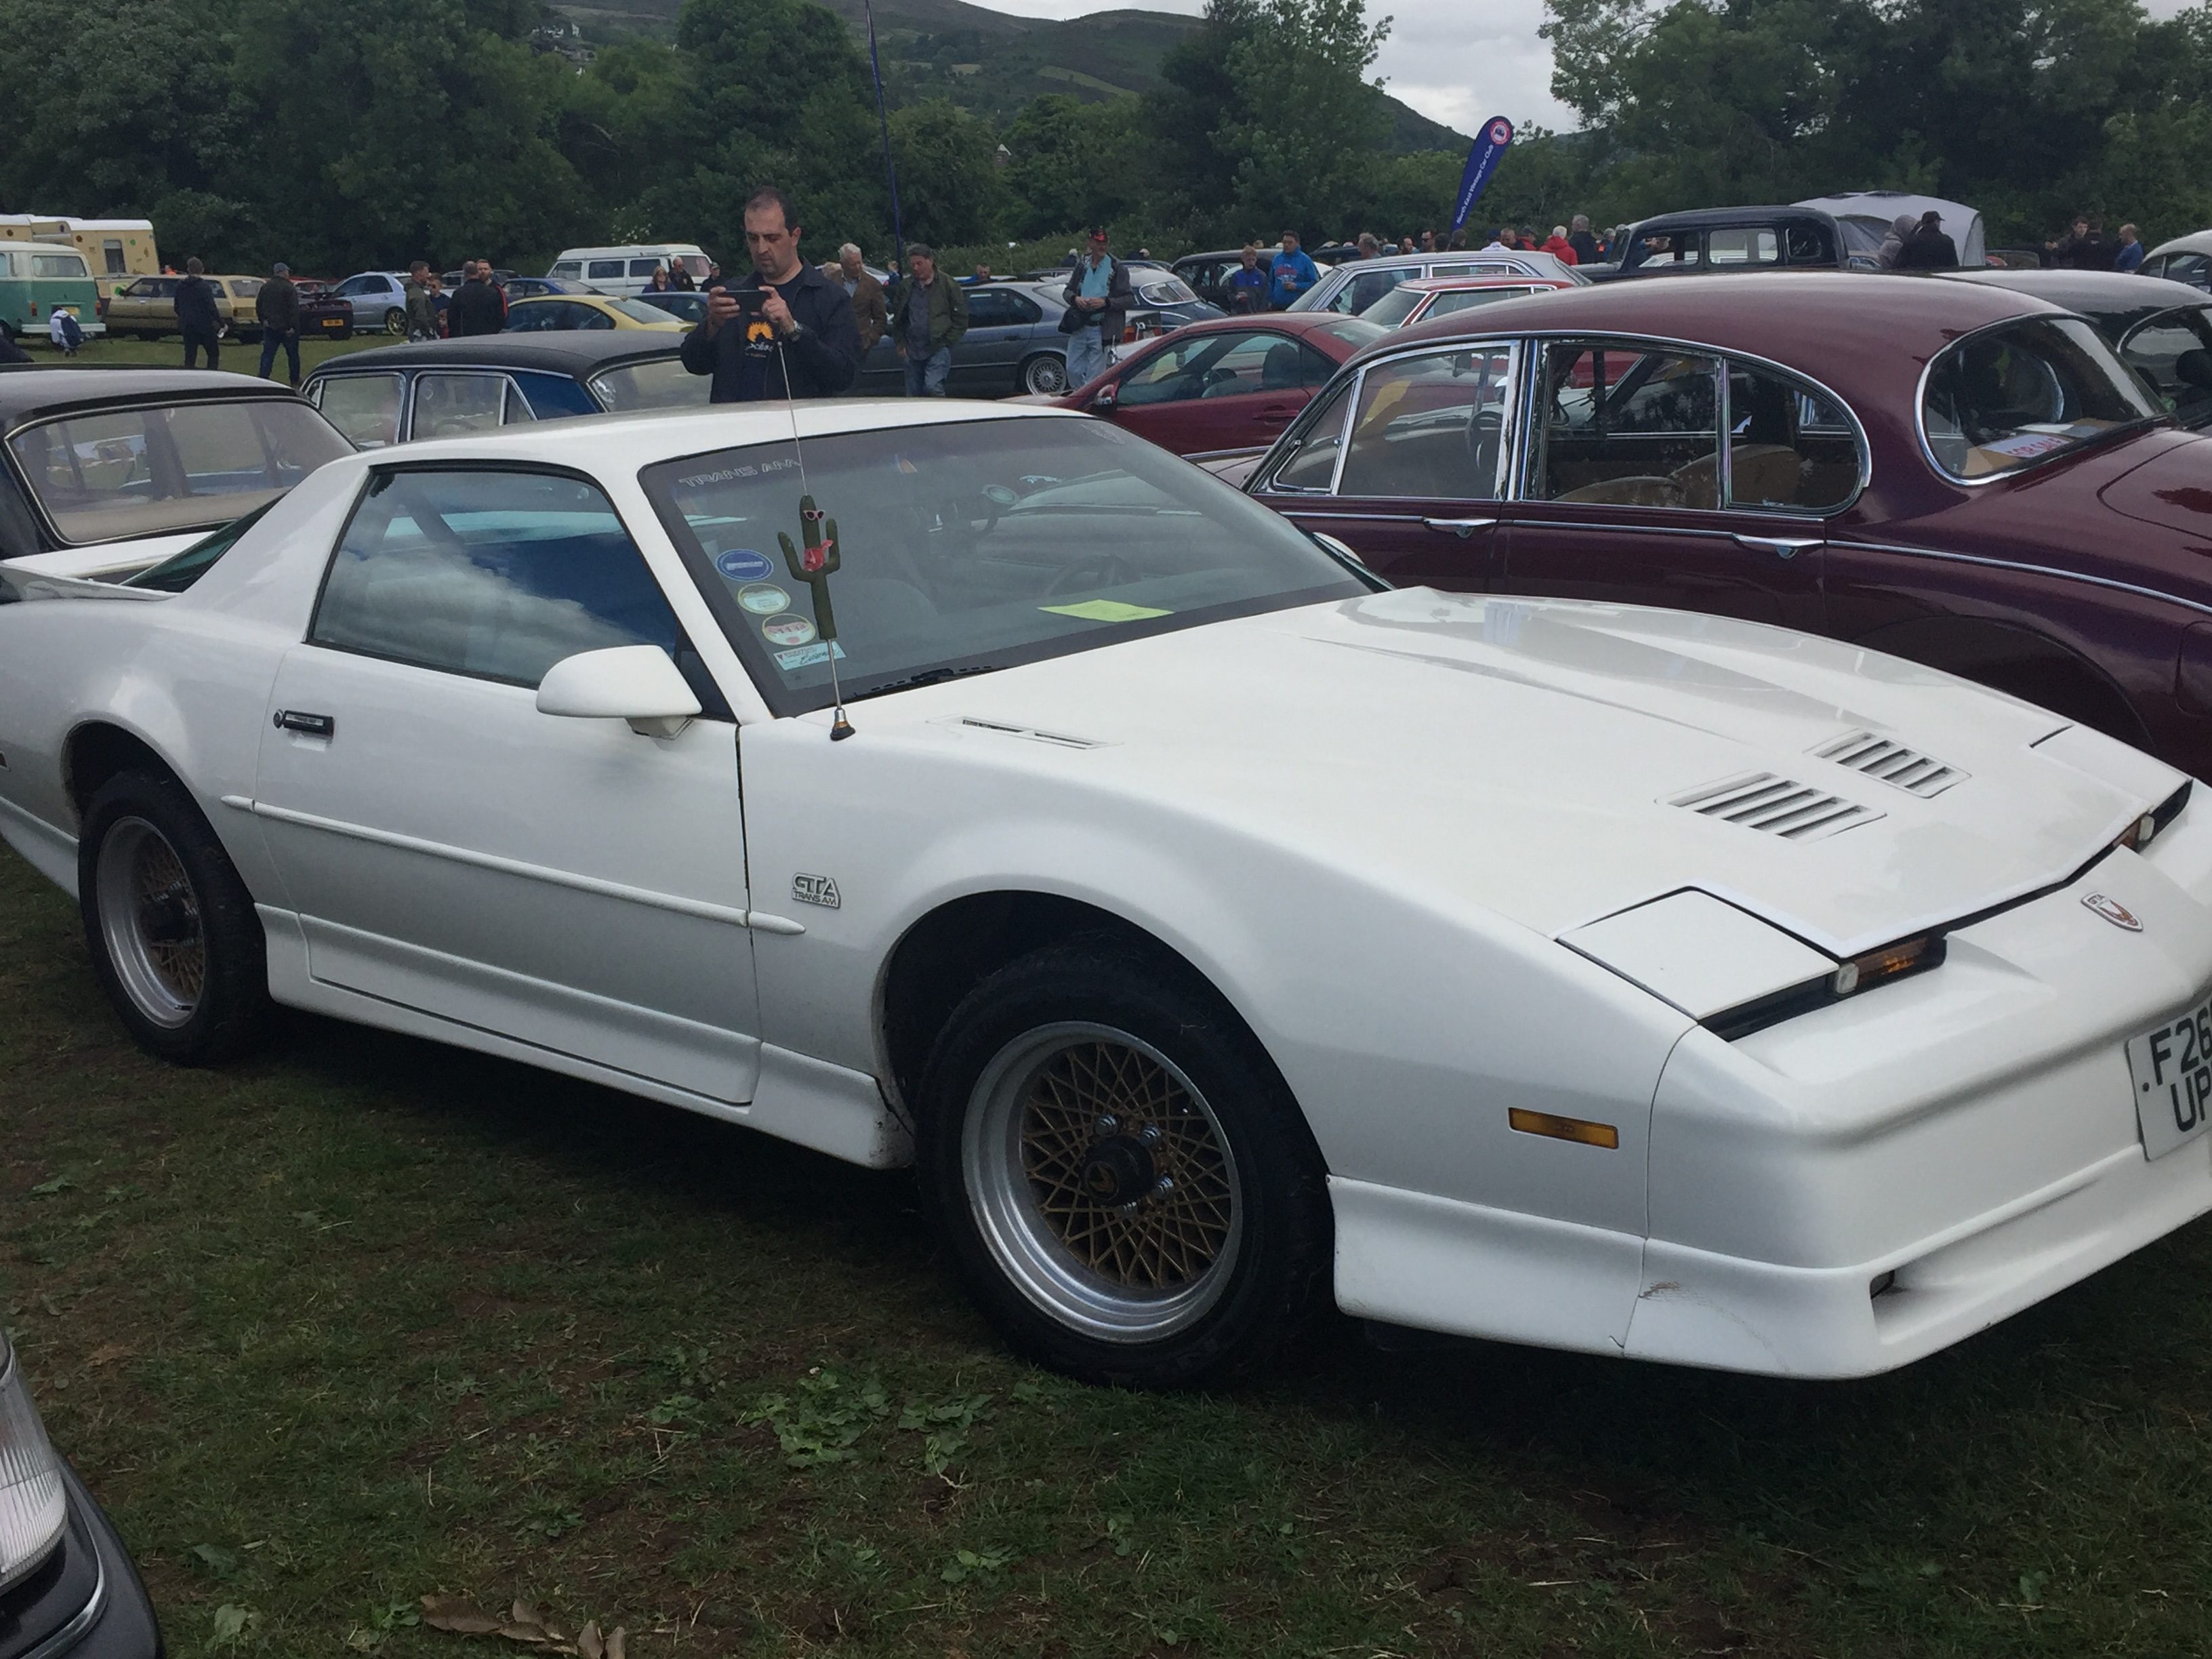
<point x="999" y="323"/>
<point x="1628" y="495"/>
<point x="366" y="407"/>
<point x="149" y="306"/>
<point x="568" y="884"/>
<point x="1232" y="389"/>
<point x="1404" y="463"/>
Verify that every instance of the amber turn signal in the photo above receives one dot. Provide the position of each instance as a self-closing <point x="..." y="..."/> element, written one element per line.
<point x="1563" y="1128"/>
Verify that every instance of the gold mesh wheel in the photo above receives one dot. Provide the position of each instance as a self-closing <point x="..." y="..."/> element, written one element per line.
<point x="150" y="920"/>
<point x="1105" y="1186"/>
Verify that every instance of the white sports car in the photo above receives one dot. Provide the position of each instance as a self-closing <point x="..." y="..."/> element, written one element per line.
<point x="1217" y="929"/>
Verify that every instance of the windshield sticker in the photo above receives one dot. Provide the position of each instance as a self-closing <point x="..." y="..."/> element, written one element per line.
<point x="743" y="564"/>
<point x="1000" y="493"/>
<point x="807" y="656"/>
<point x="723" y="475"/>
<point x="789" y="629"/>
<point x="1105" y="610"/>
<point x="764" y="599"/>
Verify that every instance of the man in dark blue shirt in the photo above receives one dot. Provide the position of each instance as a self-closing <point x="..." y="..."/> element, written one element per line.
<point x="798" y="339"/>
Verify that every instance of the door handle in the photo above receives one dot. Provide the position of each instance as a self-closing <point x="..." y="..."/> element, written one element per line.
<point x="313" y="726"/>
<point x="1461" y="528"/>
<point x="1782" y="547"/>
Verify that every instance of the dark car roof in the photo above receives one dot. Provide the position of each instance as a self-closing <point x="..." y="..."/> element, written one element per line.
<point x="27" y="394"/>
<point x="559" y="351"/>
<point x="1864" y="334"/>
<point x="1706" y="218"/>
<point x="2113" y="299"/>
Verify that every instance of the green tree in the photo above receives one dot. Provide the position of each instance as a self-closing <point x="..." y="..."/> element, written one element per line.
<point x="1305" y="130"/>
<point x="1075" y="164"/>
<point x="948" y="174"/>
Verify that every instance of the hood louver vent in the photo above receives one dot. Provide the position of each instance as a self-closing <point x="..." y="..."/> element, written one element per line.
<point x="1892" y="763"/>
<point x="1776" y="807"/>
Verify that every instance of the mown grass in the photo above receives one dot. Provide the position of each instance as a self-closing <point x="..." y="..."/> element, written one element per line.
<point x="238" y="358"/>
<point x="367" y="1318"/>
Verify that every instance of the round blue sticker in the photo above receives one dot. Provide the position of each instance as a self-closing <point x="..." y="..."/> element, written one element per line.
<point x="743" y="564"/>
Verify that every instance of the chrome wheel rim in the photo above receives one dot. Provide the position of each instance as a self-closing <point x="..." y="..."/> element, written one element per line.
<point x="1103" y="1183"/>
<point x="395" y="322"/>
<point x="149" y="919"/>
<point x="1047" y="376"/>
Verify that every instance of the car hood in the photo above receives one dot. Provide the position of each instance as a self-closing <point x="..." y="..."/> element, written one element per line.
<point x="1533" y="758"/>
<point x="2172" y="488"/>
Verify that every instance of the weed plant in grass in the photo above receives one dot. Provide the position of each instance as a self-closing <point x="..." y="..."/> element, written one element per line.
<point x="367" y="1319"/>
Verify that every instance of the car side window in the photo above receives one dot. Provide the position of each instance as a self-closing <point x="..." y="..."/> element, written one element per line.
<point x="364" y="407"/>
<point x="551" y="397"/>
<point x="1431" y="427"/>
<point x="536" y="317"/>
<point x="1790" y="446"/>
<point x="1214" y="366"/>
<point x="604" y="270"/>
<point x="1675" y="250"/>
<point x="569" y="268"/>
<point x="1627" y="426"/>
<point x="1467" y="298"/>
<point x="643" y="267"/>
<point x="497" y="575"/>
<point x="356" y="285"/>
<point x="447" y="405"/>
<point x="1808" y="245"/>
<point x="1366" y="287"/>
<point x="1318" y="441"/>
<point x="2173" y="352"/>
<point x="1742" y="245"/>
<point x="1001" y="308"/>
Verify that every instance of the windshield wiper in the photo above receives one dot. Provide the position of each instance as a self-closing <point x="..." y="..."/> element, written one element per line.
<point x="927" y="677"/>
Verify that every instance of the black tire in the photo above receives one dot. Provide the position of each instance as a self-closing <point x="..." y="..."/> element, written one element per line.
<point x="1045" y="375"/>
<point x="186" y="964"/>
<point x="1025" y="1056"/>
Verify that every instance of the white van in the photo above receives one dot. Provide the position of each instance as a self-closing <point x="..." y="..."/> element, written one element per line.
<point x="628" y="270"/>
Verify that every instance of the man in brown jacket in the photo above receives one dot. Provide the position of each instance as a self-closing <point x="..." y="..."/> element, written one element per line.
<point x="869" y="309"/>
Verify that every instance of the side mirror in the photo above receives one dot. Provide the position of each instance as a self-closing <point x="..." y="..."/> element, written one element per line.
<point x="1104" y="400"/>
<point x="633" y="683"/>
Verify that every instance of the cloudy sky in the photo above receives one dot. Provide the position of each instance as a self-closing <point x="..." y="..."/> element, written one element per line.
<point x="1454" y="61"/>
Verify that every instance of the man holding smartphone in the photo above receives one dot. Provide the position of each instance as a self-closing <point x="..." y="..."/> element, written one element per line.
<point x="785" y="331"/>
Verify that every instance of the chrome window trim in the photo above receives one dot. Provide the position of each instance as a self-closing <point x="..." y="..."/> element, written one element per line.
<point x="507" y="389"/>
<point x="1661" y="341"/>
<point x="1920" y="403"/>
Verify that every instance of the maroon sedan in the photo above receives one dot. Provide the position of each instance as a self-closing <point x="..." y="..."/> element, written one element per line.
<point x="1229" y="383"/>
<point x="1957" y="475"/>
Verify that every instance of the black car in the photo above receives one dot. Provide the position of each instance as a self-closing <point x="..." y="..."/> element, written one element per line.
<point x="67" y="1586"/>
<point x="1207" y="274"/>
<point x="94" y="456"/>
<point x="1730" y="240"/>
<point x="438" y="388"/>
<point x="2163" y="328"/>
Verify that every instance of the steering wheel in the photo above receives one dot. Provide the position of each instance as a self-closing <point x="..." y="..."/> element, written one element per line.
<point x="1099" y="570"/>
<point x="1484" y="432"/>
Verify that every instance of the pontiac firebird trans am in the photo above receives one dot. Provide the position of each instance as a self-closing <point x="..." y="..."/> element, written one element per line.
<point x="1210" y="924"/>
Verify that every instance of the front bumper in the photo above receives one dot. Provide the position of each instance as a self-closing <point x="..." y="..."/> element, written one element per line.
<point x="86" y="1601"/>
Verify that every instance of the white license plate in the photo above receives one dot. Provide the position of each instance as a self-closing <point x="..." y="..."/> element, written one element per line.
<point x="2172" y="1068"/>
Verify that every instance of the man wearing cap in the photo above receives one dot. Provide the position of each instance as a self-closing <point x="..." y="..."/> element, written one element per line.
<point x="278" y="306"/>
<point x="1099" y="290"/>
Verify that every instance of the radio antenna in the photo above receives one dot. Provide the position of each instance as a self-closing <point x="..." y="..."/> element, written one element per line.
<point x="816" y="559"/>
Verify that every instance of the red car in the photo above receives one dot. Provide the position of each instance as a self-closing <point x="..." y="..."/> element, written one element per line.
<point x="322" y="315"/>
<point x="1229" y="383"/>
<point x="1960" y="475"/>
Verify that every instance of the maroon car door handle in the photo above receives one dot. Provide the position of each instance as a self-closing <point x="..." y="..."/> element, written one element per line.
<point x="1278" y="414"/>
<point x="1461" y="528"/>
<point x="1782" y="547"/>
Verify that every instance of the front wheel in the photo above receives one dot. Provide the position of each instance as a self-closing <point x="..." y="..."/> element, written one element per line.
<point x="172" y="931"/>
<point x="1045" y="375"/>
<point x="1127" y="1189"/>
<point x="395" y="323"/>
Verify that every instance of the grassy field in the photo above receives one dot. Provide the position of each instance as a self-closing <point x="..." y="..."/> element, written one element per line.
<point x="367" y="1319"/>
<point x="169" y="353"/>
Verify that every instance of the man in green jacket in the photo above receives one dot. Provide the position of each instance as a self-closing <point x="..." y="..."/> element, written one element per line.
<point x="932" y="316"/>
<point x="422" y="309"/>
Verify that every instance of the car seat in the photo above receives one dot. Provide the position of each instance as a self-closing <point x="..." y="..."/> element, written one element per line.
<point x="1281" y="370"/>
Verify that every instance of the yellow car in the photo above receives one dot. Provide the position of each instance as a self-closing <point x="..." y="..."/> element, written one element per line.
<point x="148" y="307"/>
<point x="564" y="311"/>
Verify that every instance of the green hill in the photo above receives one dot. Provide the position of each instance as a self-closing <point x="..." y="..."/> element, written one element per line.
<point x="991" y="63"/>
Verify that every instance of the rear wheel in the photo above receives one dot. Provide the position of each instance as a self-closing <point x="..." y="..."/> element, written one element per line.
<point x="395" y="322"/>
<point x="172" y="929"/>
<point x="1127" y="1189"/>
<point x="1046" y="375"/>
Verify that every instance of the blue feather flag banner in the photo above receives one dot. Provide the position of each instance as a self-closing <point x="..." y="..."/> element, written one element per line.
<point x="1481" y="162"/>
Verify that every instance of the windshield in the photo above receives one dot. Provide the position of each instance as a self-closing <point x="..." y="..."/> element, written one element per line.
<point x="120" y="473"/>
<point x="1354" y="332"/>
<point x="2014" y="396"/>
<point x="638" y="312"/>
<point x="2173" y="351"/>
<point x="1393" y="307"/>
<point x="968" y="546"/>
<point x="180" y="571"/>
<point x="1162" y="289"/>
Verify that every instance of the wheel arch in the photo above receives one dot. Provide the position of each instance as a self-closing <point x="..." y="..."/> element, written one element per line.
<point x="98" y="750"/>
<point x="948" y="951"/>
<point x="2022" y="662"/>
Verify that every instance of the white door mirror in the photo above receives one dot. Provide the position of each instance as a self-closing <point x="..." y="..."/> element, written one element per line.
<point x="633" y="683"/>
